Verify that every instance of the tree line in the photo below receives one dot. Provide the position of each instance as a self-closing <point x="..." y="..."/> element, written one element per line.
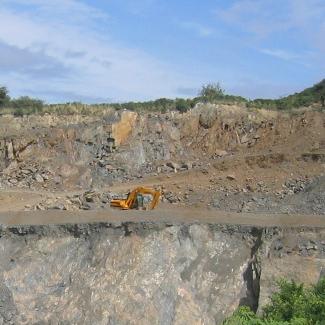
<point x="209" y="93"/>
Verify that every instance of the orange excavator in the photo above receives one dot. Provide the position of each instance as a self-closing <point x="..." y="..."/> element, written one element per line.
<point x="137" y="198"/>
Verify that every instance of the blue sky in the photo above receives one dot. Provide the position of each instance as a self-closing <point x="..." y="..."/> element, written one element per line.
<point x="113" y="50"/>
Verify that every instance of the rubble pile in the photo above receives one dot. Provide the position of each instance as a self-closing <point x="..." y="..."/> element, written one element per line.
<point x="88" y="200"/>
<point x="28" y="175"/>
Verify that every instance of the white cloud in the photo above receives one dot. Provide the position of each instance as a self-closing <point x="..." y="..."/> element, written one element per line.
<point x="281" y="54"/>
<point x="266" y="17"/>
<point x="259" y="17"/>
<point x="92" y="64"/>
<point x="297" y="26"/>
<point x="199" y="29"/>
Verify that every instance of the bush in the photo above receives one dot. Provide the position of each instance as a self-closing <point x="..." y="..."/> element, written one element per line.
<point x="293" y="304"/>
<point x="182" y="105"/>
<point x="26" y="102"/>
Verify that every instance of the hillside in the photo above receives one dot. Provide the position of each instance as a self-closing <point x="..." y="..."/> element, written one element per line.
<point x="308" y="97"/>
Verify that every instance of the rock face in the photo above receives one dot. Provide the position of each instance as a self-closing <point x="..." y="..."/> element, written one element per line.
<point x="122" y="144"/>
<point x="145" y="273"/>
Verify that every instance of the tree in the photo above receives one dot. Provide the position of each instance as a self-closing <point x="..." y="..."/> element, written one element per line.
<point x="211" y="92"/>
<point x="4" y="98"/>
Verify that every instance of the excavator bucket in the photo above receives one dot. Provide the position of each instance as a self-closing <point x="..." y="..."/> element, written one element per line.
<point x="119" y="204"/>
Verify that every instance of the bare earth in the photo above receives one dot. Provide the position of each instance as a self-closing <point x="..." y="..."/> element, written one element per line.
<point x="161" y="215"/>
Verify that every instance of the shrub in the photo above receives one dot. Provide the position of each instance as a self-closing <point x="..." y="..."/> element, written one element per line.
<point x="27" y="102"/>
<point x="182" y="105"/>
<point x="293" y="304"/>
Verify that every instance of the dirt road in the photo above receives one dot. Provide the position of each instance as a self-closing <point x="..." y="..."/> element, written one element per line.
<point x="161" y="215"/>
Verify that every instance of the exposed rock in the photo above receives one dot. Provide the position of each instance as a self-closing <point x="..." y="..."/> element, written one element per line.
<point x="198" y="274"/>
<point x="122" y="129"/>
<point x="244" y="139"/>
<point x="187" y="165"/>
<point x="39" y="178"/>
<point x="9" y="151"/>
<point x="220" y="153"/>
<point x="57" y="179"/>
<point x="67" y="170"/>
<point x="175" y="166"/>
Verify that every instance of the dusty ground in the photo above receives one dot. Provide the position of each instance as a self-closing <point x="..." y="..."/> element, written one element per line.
<point x="164" y="214"/>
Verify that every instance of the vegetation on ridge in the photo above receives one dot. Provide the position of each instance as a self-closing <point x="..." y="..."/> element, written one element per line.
<point x="209" y="93"/>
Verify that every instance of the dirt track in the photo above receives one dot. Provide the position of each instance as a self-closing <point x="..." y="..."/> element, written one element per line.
<point x="161" y="215"/>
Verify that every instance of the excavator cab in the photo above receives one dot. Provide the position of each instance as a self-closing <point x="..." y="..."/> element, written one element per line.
<point x="138" y="199"/>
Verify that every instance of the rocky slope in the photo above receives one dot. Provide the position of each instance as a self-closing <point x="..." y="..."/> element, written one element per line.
<point x="50" y="152"/>
<point x="147" y="273"/>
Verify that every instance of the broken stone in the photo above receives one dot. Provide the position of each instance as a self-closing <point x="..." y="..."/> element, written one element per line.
<point x="220" y="153"/>
<point x="187" y="165"/>
<point x="57" y="179"/>
<point x="13" y="181"/>
<point x="109" y="168"/>
<point x="59" y="206"/>
<point x="38" y="178"/>
<point x="173" y="165"/>
<point x="26" y="171"/>
<point x="231" y="177"/>
<point x="244" y="139"/>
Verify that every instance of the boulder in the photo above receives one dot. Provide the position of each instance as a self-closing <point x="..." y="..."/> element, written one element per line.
<point x="173" y="165"/>
<point x="38" y="178"/>
<point x="231" y="177"/>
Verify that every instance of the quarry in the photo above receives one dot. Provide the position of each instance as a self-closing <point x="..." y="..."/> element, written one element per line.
<point x="242" y="205"/>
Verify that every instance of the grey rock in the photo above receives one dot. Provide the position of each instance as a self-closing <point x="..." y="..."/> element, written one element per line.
<point x="38" y="178"/>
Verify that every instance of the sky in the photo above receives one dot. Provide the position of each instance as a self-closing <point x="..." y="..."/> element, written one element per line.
<point x="135" y="50"/>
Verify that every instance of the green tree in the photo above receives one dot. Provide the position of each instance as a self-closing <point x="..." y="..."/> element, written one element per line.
<point x="211" y="92"/>
<point x="4" y="98"/>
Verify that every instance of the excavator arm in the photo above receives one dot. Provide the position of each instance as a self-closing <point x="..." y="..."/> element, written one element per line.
<point x="131" y="200"/>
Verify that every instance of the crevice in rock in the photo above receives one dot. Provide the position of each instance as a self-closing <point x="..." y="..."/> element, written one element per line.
<point x="252" y="273"/>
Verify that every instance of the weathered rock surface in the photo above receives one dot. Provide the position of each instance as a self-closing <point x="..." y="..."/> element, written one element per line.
<point x="146" y="273"/>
